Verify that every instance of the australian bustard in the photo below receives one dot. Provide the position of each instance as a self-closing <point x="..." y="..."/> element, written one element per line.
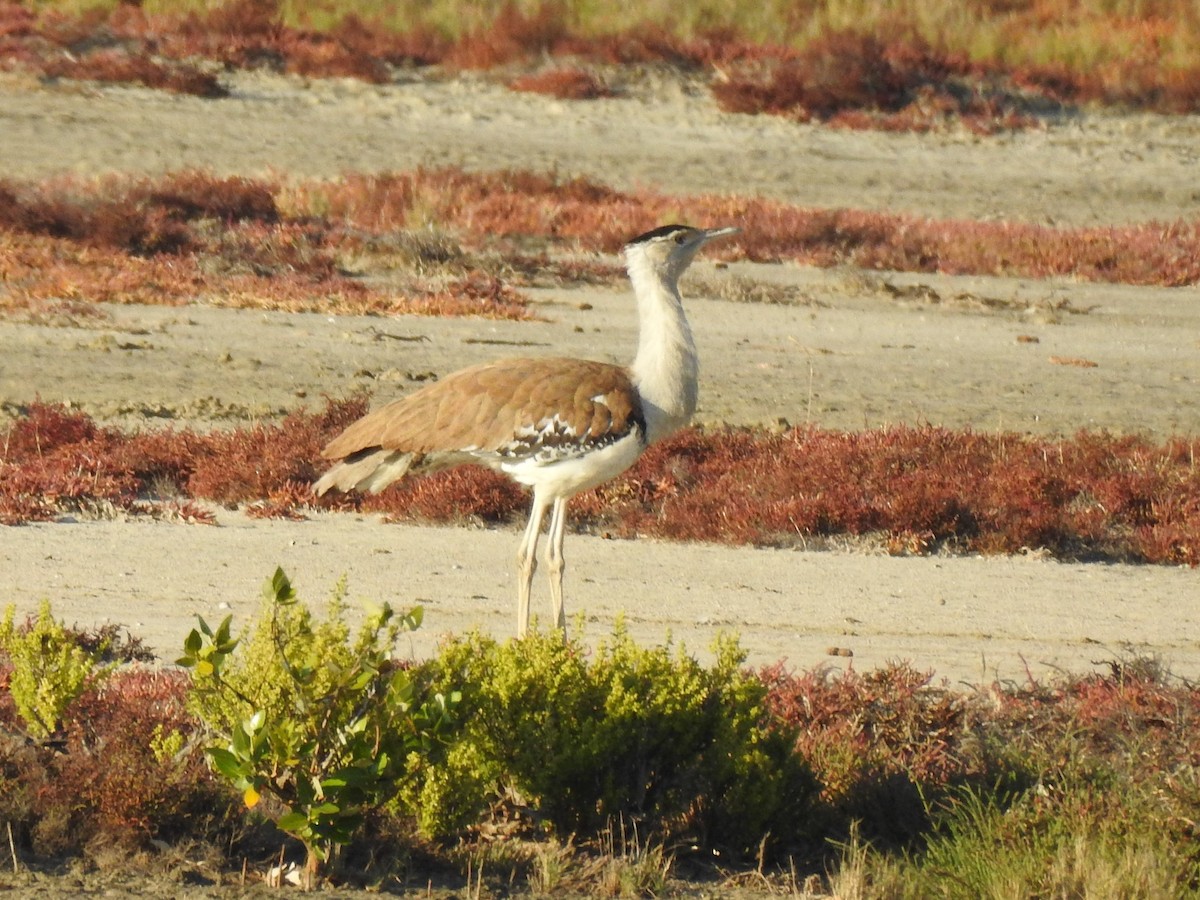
<point x="558" y="426"/>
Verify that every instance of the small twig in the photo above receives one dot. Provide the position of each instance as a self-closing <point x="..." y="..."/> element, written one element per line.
<point x="386" y="335"/>
<point x="809" y="402"/>
<point x="12" y="848"/>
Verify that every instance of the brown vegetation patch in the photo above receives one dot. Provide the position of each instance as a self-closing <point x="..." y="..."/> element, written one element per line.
<point x="855" y="80"/>
<point x="579" y="214"/>
<point x="990" y="67"/>
<point x="101" y="779"/>
<point x="889" y="738"/>
<point x="590" y="216"/>
<point x="362" y="243"/>
<point x="923" y="489"/>
<point x="195" y="236"/>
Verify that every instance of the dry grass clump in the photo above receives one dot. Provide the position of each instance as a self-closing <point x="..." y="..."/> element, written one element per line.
<point x="919" y="490"/>
<point x="120" y="67"/>
<point x="565" y="84"/>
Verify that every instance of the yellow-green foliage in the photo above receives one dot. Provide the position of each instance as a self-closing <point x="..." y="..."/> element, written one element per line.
<point x="642" y="734"/>
<point x="49" y="671"/>
<point x="286" y="638"/>
<point x="165" y="744"/>
<point x="326" y="725"/>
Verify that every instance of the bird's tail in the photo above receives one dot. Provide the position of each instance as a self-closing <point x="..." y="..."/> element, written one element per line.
<point x="368" y="470"/>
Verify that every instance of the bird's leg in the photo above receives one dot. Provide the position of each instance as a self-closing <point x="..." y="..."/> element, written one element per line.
<point x="554" y="559"/>
<point x="527" y="561"/>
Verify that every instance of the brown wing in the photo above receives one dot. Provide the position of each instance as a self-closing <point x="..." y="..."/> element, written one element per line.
<point x="512" y="406"/>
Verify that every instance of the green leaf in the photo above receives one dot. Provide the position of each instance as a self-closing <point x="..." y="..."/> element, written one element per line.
<point x="349" y="776"/>
<point x="192" y="643"/>
<point x="240" y="741"/>
<point x="222" y="642"/>
<point x="294" y="823"/>
<point x="279" y="588"/>
<point x="226" y="763"/>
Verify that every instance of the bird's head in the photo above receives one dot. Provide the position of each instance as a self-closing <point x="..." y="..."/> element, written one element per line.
<point x="669" y="249"/>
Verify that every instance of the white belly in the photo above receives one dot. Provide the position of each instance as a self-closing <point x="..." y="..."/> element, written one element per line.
<point x="567" y="477"/>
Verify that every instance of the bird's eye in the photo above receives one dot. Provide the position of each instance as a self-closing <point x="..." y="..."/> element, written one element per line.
<point x="681" y="237"/>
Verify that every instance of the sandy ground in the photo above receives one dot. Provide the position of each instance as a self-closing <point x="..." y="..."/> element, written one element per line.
<point x="849" y="350"/>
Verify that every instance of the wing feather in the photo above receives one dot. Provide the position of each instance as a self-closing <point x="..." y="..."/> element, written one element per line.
<point x="502" y="407"/>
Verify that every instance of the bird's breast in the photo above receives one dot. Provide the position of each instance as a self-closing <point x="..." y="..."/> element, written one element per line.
<point x="565" y="468"/>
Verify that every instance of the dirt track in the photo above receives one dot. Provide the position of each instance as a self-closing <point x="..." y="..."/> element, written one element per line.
<point x="854" y="350"/>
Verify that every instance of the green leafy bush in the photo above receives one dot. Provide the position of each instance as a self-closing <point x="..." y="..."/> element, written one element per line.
<point x="325" y="725"/>
<point x="647" y="735"/>
<point x="49" y="669"/>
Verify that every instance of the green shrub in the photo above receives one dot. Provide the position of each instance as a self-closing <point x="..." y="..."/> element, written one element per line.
<point x="326" y="725"/>
<point x="646" y="735"/>
<point x="49" y="669"/>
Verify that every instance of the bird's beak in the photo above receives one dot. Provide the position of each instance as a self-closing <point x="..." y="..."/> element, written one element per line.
<point x="711" y="233"/>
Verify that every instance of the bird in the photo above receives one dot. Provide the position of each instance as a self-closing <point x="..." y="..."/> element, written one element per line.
<point x="558" y="426"/>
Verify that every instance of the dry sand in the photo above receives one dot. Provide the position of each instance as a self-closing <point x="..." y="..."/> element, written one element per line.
<point x="849" y="350"/>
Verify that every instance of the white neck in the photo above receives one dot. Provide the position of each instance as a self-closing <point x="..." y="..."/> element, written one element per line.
<point x="665" y="369"/>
